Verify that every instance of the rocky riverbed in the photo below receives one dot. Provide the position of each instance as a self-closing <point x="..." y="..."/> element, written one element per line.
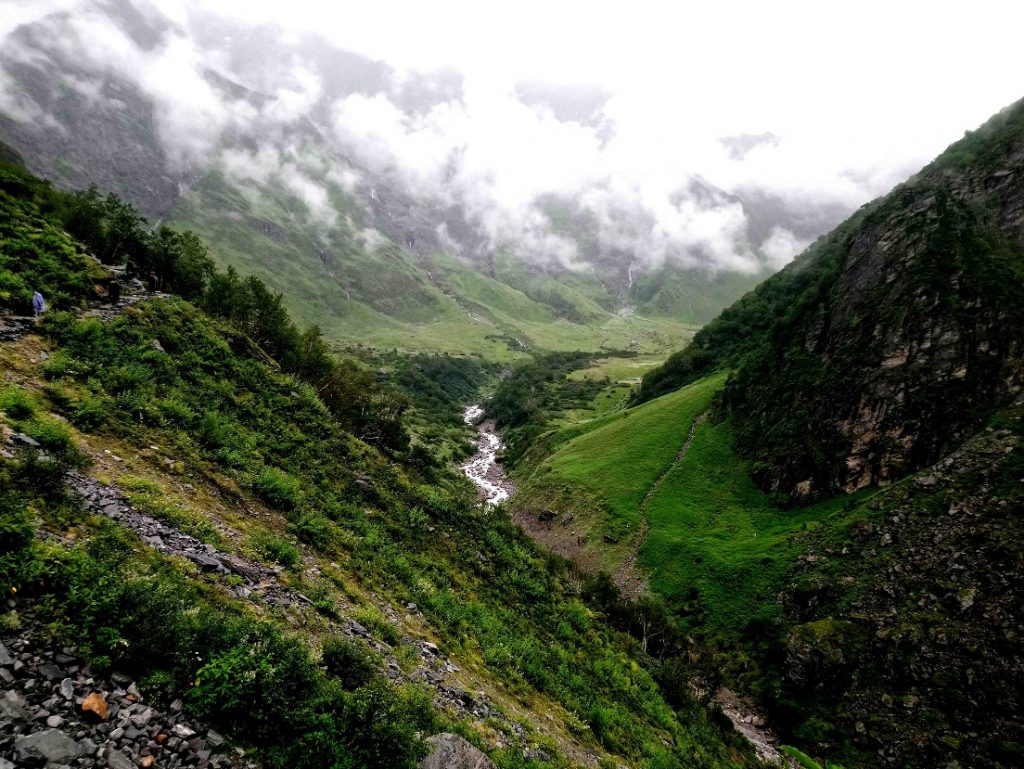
<point x="483" y="468"/>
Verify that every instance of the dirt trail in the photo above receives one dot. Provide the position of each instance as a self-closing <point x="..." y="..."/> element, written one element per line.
<point x="630" y="581"/>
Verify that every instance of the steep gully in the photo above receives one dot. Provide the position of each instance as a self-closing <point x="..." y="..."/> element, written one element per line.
<point x="487" y="474"/>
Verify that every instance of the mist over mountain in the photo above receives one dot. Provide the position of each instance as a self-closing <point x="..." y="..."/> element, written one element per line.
<point x="147" y="98"/>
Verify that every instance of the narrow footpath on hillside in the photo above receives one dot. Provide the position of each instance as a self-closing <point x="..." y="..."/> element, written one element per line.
<point x="632" y="584"/>
<point x="628" y="578"/>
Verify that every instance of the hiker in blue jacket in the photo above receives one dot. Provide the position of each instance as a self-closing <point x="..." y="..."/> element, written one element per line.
<point x="38" y="304"/>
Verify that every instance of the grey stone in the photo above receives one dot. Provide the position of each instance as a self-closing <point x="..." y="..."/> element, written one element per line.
<point x="449" y="751"/>
<point x="214" y="739"/>
<point x="54" y="721"/>
<point x="50" y="672"/>
<point x="183" y="731"/>
<point x="117" y="760"/>
<point x="12" y="708"/>
<point x="67" y="689"/>
<point x="5" y="656"/>
<point x="51" y="744"/>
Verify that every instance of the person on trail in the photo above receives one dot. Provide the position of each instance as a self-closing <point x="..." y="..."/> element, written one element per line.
<point x="38" y="304"/>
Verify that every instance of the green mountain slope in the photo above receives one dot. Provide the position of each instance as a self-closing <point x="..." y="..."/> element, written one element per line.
<point x="888" y="342"/>
<point x="385" y="606"/>
<point x="874" y="624"/>
<point x="359" y="287"/>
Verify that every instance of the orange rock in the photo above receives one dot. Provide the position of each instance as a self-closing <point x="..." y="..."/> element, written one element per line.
<point x="146" y="761"/>
<point x="161" y="738"/>
<point x="95" y="704"/>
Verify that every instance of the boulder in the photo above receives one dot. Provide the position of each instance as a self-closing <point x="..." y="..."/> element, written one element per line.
<point x="51" y="744"/>
<point x="449" y="751"/>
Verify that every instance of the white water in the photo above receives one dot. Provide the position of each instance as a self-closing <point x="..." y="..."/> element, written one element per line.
<point x="483" y="468"/>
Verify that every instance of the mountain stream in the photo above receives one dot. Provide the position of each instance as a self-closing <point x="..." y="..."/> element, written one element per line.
<point x="483" y="468"/>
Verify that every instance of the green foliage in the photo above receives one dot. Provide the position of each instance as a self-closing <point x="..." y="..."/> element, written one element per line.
<point x="277" y="488"/>
<point x="17" y="403"/>
<point x="36" y="255"/>
<point x="377" y="624"/>
<point x="272" y="547"/>
<point x="805" y="760"/>
<point x="19" y="556"/>
<point x="349" y="663"/>
<point x="524" y="402"/>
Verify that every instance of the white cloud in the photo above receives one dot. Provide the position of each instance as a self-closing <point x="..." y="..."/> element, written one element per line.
<point x="781" y="246"/>
<point x="852" y="95"/>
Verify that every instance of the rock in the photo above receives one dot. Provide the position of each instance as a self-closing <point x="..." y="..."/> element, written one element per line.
<point x="50" y="672"/>
<point x="51" y="744"/>
<point x="214" y="739"/>
<point x="117" y="760"/>
<point x="6" y="660"/>
<point x="24" y="440"/>
<point x="206" y="562"/>
<point x="12" y="708"/>
<point x="182" y="731"/>
<point x="96" y="705"/>
<point x="146" y="762"/>
<point x="54" y="721"/>
<point x="67" y="689"/>
<point x="449" y="751"/>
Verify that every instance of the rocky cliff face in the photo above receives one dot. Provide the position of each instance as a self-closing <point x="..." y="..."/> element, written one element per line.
<point x="911" y="336"/>
<point x="905" y="628"/>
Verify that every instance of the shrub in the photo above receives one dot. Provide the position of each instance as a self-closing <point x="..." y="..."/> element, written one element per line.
<point x="19" y="561"/>
<point x="377" y="624"/>
<point x="349" y="663"/>
<point x="317" y="530"/>
<point x="17" y="403"/>
<point x="90" y="413"/>
<point x="55" y="438"/>
<point x="277" y="488"/>
<point x="274" y="548"/>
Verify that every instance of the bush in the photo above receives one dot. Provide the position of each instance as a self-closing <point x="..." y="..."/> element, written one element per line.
<point x="377" y="624"/>
<point x="317" y="530"/>
<point x="56" y="439"/>
<point x="17" y="403"/>
<point x="277" y="489"/>
<point x="19" y="560"/>
<point x="90" y="413"/>
<point x="349" y="663"/>
<point x="274" y="548"/>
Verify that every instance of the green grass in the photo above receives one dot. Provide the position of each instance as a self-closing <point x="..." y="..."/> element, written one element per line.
<point x="716" y="545"/>
<point x="385" y="298"/>
<point x="713" y="530"/>
<point x="620" y="456"/>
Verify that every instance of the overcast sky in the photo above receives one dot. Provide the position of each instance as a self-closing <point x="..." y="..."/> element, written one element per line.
<point x="814" y="104"/>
